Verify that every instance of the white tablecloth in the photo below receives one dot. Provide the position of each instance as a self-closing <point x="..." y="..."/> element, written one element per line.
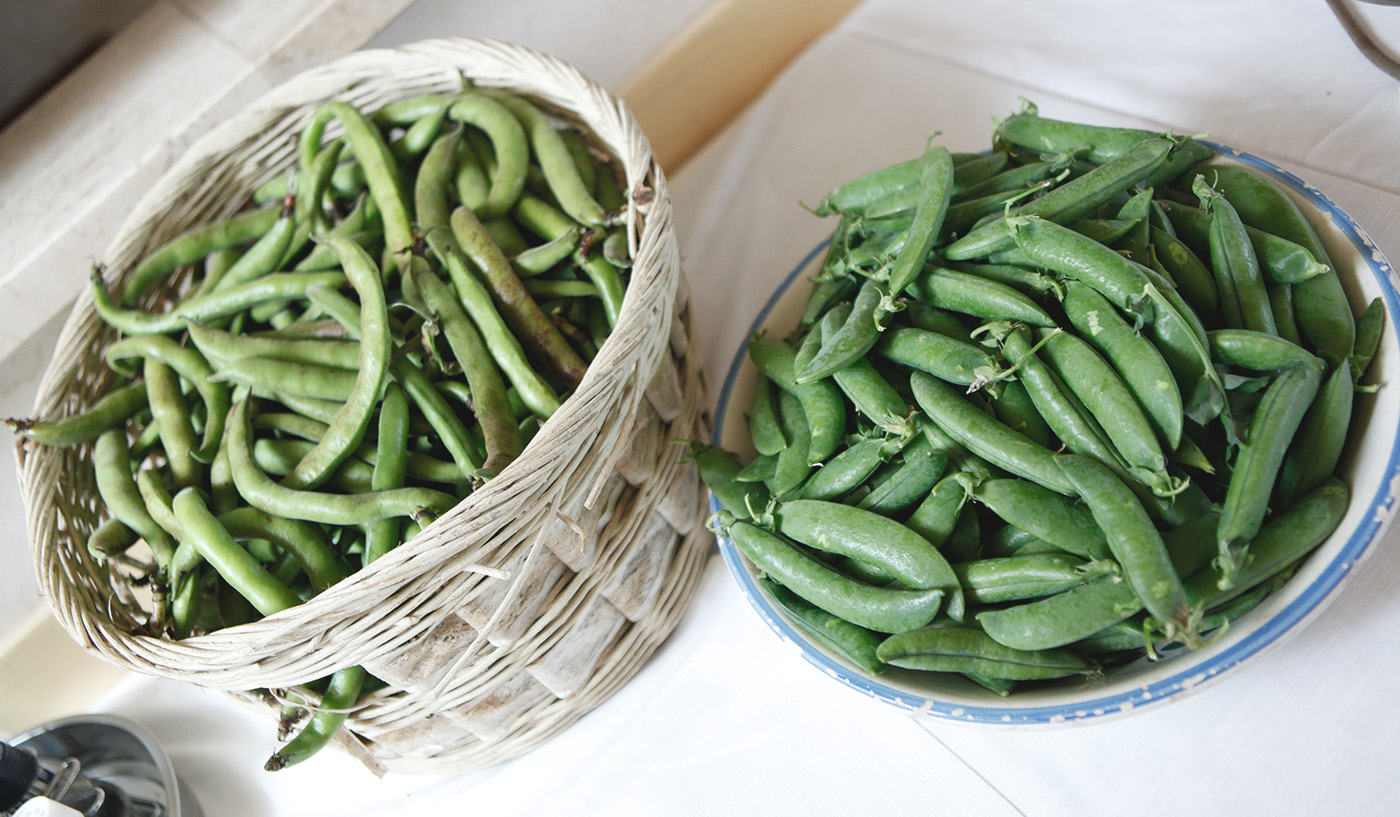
<point x="724" y="719"/>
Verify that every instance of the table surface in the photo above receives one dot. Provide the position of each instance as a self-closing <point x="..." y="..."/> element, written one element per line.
<point x="726" y="718"/>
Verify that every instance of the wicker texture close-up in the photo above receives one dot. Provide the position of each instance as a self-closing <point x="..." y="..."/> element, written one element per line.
<point x="537" y="596"/>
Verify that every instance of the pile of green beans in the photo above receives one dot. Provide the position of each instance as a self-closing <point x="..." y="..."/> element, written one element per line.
<point x="299" y="388"/>
<point x="1049" y="408"/>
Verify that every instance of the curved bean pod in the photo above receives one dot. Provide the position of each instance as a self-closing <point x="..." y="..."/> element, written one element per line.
<point x="314" y="506"/>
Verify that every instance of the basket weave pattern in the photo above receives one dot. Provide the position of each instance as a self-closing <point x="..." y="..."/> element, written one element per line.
<point x="536" y="597"/>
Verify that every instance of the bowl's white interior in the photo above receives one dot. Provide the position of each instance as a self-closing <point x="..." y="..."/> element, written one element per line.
<point x="1370" y="467"/>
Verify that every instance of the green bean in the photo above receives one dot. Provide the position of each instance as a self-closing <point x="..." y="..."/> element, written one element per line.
<point x="493" y="411"/>
<point x="882" y="609"/>
<point x="314" y="506"/>
<point x="194" y="244"/>
<point x="544" y="220"/>
<point x="376" y="347"/>
<point x="169" y="413"/>
<point x="269" y="375"/>
<point x="111" y="538"/>
<point x="1256" y="467"/>
<point x="330" y="715"/>
<point x="1134" y="542"/>
<point x="962" y="650"/>
<point x="111" y="410"/>
<point x="1063" y="618"/>
<point x="220" y="348"/>
<point x="762" y="469"/>
<point x="541" y="258"/>
<point x="555" y="161"/>
<point x="389" y="469"/>
<point x="418" y="137"/>
<point x="192" y="367"/>
<point x="543" y="288"/>
<point x="431" y="187"/>
<point x="445" y="423"/>
<point x="521" y="313"/>
<point x="274" y="288"/>
<point x="304" y="541"/>
<point x="505" y="347"/>
<point x="233" y="563"/>
<point x="381" y="170"/>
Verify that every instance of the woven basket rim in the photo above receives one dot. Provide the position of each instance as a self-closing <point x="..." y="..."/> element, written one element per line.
<point x="657" y="261"/>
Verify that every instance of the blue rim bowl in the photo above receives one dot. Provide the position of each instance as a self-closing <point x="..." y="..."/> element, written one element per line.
<point x="1370" y="467"/>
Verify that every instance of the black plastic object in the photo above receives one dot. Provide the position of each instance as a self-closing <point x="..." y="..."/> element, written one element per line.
<point x="18" y="771"/>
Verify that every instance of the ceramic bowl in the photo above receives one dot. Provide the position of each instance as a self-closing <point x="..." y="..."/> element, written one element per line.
<point x="1370" y="467"/>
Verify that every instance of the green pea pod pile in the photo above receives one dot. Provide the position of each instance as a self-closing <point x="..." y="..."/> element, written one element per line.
<point x="301" y="387"/>
<point x="1049" y="408"/>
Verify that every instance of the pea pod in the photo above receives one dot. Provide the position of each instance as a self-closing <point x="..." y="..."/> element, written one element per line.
<point x="1063" y="618"/>
<point x="882" y="609"/>
<point x="1020" y="577"/>
<point x="910" y="482"/>
<point x="1275" y="422"/>
<point x="1014" y="407"/>
<point x="856" y="336"/>
<point x="1103" y="393"/>
<point x="1260" y="351"/>
<point x="718" y="469"/>
<point x="945" y="357"/>
<point x="1282" y="541"/>
<point x="1047" y="515"/>
<point x="1134" y="542"/>
<point x="977" y="296"/>
<point x="764" y="430"/>
<point x="957" y="649"/>
<point x="1324" y="315"/>
<point x="935" y="181"/>
<point x="985" y="436"/>
<point x="844" y="472"/>
<point x="851" y="642"/>
<point x="1070" y="201"/>
<point x="1134" y="358"/>
<point x="823" y="407"/>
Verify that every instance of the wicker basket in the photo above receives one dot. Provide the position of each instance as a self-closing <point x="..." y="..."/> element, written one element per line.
<point x="536" y="597"/>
